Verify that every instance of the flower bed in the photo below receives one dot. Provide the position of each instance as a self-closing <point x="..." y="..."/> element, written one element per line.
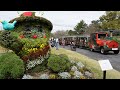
<point x="57" y="70"/>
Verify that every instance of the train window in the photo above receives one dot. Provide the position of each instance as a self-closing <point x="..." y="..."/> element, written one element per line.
<point x="101" y="36"/>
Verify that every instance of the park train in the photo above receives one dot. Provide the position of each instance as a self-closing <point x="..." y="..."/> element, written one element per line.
<point x="97" y="41"/>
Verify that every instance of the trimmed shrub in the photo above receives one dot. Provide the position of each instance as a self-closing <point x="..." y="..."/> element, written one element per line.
<point x="11" y="66"/>
<point x="9" y="40"/>
<point x="59" y="63"/>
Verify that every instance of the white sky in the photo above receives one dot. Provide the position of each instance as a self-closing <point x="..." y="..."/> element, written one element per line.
<point x="61" y="20"/>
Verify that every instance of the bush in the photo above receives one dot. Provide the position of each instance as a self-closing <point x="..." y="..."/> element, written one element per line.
<point x="59" y="63"/>
<point x="10" y="41"/>
<point x="11" y="66"/>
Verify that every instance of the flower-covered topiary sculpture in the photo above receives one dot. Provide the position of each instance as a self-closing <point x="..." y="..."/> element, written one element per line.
<point x="29" y="38"/>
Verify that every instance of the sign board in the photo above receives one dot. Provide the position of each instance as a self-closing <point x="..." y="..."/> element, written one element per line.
<point x="105" y="65"/>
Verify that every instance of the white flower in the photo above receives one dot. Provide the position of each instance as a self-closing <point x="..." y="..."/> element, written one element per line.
<point x="80" y="65"/>
<point x="88" y="74"/>
<point x="77" y="74"/>
<point x="38" y="62"/>
<point x="72" y="61"/>
<point x="74" y="68"/>
<point x="64" y="75"/>
<point x="27" y="77"/>
<point x="42" y="59"/>
<point x="34" y="63"/>
<point x="29" y="64"/>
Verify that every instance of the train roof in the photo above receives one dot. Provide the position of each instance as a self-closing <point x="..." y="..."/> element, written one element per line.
<point x="77" y="36"/>
<point x="100" y="32"/>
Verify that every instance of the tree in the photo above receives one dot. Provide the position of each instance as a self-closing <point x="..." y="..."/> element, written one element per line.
<point x="110" y="21"/>
<point x="59" y="33"/>
<point x="71" y="32"/>
<point x="80" y="27"/>
<point x="93" y="27"/>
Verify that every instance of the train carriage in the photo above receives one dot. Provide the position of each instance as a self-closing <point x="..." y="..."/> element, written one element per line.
<point x="83" y="43"/>
<point x="68" y="39"/>
<point x="80" y="41"/>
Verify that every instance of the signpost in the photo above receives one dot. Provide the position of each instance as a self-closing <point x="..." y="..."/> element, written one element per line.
<point x="105" y="65"/>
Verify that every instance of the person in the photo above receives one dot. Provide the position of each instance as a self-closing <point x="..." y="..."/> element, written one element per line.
<point x="57" y="44"/>
<point x="63" y="43"/>
<point x="73" y="47"/>
<point x="52" y="42"/>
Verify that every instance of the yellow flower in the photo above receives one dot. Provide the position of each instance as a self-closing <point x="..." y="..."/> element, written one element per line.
<point x="34" y="49"/>
<point x="30" y="50"/>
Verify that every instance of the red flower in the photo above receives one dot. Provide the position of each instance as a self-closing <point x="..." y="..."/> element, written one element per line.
<point x="22" y="36"/>
<point x="34" y="36"/>
<point x="44" y="36"/>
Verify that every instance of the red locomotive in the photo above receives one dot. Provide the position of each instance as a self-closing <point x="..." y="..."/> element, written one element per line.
<point x="100" y="41"/>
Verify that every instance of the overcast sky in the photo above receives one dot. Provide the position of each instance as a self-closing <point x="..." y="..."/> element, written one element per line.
<point x="61" y="20"/>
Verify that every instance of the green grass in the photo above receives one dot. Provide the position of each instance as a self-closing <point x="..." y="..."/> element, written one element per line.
<point x="91" y="64"/>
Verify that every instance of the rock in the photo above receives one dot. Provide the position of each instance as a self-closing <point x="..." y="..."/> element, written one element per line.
<point x="44" y="76"/>
<point x="74" y="68"/>
<point x="64" y="75"/>
<point x="88" y="74"/>
<point x="27" y="77"/>
<point x="80" y="65"/>
<point x="77" y="75"/>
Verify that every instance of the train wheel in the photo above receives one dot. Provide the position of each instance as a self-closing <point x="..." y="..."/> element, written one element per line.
<point x="92" y="50"/>
<point x="116" y="52"/>
<point x="102" y="50"/>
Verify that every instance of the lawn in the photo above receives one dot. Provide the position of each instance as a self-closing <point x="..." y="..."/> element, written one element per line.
<point x="93" y="65"/>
